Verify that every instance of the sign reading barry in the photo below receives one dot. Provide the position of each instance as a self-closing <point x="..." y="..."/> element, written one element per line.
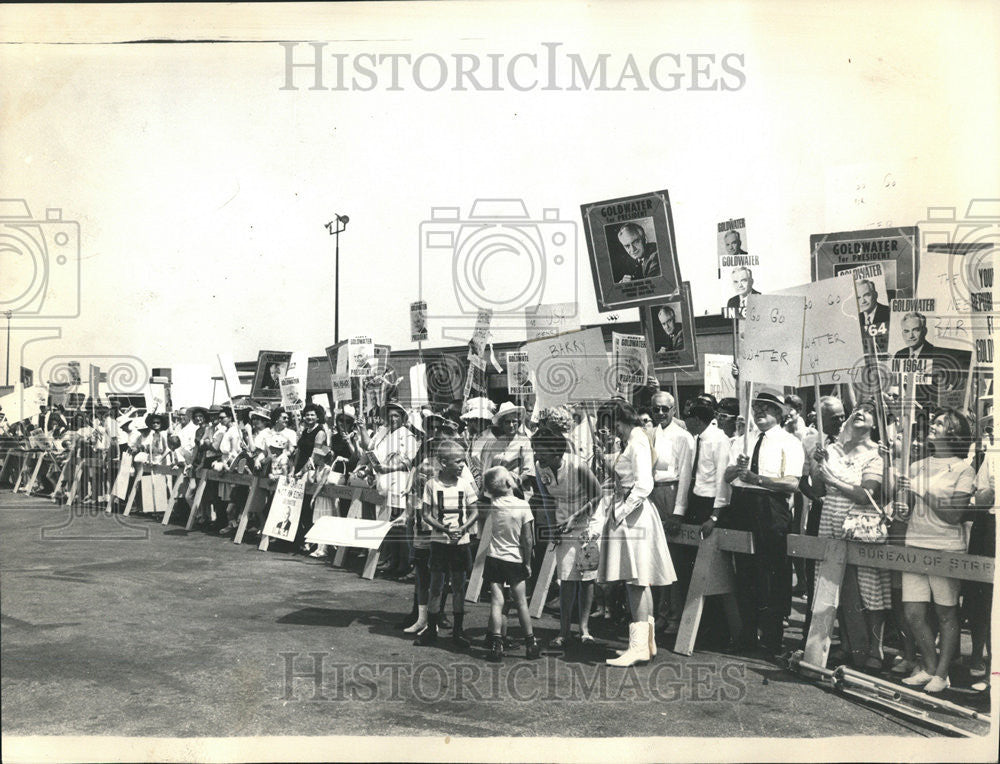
<point x="571" y="367"/>
<point x="633" y="252"/>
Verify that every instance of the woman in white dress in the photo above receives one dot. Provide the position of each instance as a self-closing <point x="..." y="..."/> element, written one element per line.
<point x="635" y="548"/>
<point x="569" y="482"/>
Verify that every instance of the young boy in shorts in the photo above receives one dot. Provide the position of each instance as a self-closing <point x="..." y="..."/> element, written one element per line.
<point x="508" y="558"/>
<point x="449" y="510"/>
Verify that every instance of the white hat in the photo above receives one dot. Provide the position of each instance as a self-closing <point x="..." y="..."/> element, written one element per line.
<point x="416" y="420"/>
<point x="479" y="408"/>
<point x="348" y="411"/>
<point x="507" y="409"/>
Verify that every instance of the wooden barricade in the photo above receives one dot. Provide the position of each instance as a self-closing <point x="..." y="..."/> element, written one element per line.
<point x="11" y="458"/>
<point x="30" y="460"/>
<point x="154" y="499"/>
<point x="713" y="575"/>
<point x="836" y="555"/>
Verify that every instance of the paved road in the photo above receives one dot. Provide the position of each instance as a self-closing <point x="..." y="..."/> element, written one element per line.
<point x="121" y="626"/>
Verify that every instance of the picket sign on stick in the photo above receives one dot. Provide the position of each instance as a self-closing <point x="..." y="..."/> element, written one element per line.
<point x="819" y="412"/>
<point x="475" y="585"/>
<point x="545" y="573"/>
<point x="771" y="345"/>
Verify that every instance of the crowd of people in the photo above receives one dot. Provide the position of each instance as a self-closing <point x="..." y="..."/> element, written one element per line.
<point x="606" y="486"/>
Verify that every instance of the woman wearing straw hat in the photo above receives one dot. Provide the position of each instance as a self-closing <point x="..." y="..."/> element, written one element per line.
<point x="512" y="447"/>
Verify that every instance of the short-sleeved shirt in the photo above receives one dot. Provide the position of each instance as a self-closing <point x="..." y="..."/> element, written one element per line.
<point x="945" y="477"/>
<point x="451" y="505"/>
<point x="781" y="455"/>
<point x="510" y="514"/>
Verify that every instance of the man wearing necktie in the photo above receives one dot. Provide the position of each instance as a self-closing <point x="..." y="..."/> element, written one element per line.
<point x="762" y="483"/>
<point x="873" y="315"/>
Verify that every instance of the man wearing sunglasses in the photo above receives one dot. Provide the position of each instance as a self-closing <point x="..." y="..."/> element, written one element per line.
<point x="674" y="448"/>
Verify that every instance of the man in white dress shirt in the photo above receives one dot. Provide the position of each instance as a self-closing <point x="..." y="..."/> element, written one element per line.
<point x="764" y="471"/>
<point x="674" y="448"/>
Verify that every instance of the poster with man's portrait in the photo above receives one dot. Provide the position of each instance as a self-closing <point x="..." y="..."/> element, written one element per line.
<point x="669" y="330"/>
<point x="271" y="367"/>
<point x="736" y="267"/>
<point x="894" y="248"/>
<point x="633" y="252"/>
<point x="874" y="316"/>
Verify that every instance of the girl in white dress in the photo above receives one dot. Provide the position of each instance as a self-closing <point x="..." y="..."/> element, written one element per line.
<point x="635" y="548"/>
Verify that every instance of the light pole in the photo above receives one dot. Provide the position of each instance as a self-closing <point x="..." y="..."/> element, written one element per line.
<point x="334" y="227"/>
<point x="7" y="379"/>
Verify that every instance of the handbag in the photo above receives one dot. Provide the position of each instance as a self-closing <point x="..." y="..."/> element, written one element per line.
<point x="589" y="556"/>
<point x="863" y="524"/>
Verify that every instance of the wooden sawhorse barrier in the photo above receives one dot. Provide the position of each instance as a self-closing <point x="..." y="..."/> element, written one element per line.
<point x="836" y="555"/>
<point x="714" y="574"/>
<point x="31" y="460"/>
<point x="11" y="457"/>
<point x="359" y="495"/>
<point x="150" y="497"/>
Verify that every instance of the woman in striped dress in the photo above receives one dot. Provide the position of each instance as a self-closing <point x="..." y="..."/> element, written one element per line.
<point x="850" y="471"/>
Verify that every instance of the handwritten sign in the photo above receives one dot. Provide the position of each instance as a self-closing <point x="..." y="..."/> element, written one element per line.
<point x="771" y="342"/>
<point x="831" y="341"/>
<point x="550" y="320"/>
<point x="571" y="367"/>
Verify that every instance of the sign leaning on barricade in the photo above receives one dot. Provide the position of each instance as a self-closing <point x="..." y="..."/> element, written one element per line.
<point x="713" y="575"/>
<point x="836" y="554"/>
<point x="353" y="531"/>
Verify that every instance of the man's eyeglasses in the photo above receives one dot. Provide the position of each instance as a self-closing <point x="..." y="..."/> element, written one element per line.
<point x="662" y="408"/>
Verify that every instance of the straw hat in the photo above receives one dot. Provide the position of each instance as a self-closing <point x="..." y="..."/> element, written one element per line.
<point x="507" y="409"/>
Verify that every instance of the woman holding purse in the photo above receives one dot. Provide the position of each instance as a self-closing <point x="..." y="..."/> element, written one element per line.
<point x="849" y="477"/>
<point x="635" y="547"/>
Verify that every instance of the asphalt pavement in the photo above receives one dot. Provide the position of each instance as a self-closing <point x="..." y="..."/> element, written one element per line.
<point x="121" y="626"/>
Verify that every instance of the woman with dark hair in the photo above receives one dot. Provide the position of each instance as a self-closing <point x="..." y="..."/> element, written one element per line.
<point x="939" y="489"/>
<point x="569" y="482"/>
<point x="635" y="547"/>
<point x="849" y="477"/>
<point x="313" y="434"/>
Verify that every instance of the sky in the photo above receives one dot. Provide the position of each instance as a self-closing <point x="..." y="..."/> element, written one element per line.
<point x="201" y="187"/>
